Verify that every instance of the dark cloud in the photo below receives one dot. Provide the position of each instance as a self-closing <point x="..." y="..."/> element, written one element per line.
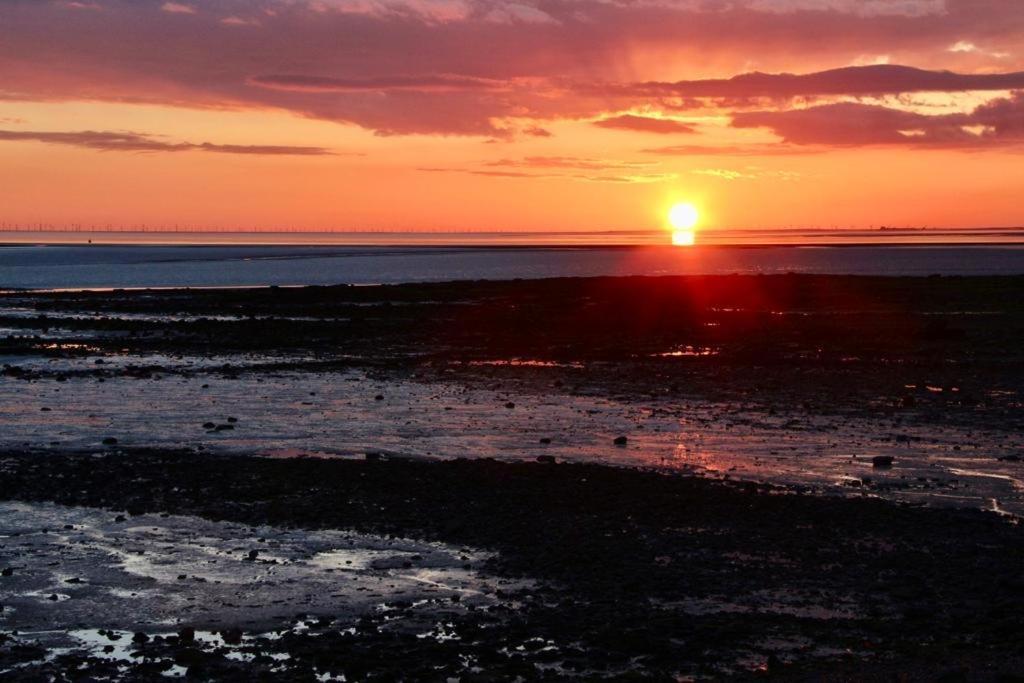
<point x="880" y="79"/>
<point x="645" y="124"/>
<point x="135" y="142"/>
<point x="1000" y="122"/>
<point x="468" y="67"/>
<point x="426" y="83"/>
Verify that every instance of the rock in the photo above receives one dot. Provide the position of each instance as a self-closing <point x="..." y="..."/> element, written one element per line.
<point x="621" y="441"/>
<point x="232" y="636"/>
<point x="882" y="461"/>
<point x="209" y="425"/>
<point x="120" y="518"/>
<point x="373" y="456"/>
<point x="545" y="440"/>
<point x="1010" y="458"/>
<point x="224" y="428"/>
<point x="253" y="554"/>
<point x="140" y="638"/>
<point x="378" y="397"/>
<point x="232" y="420"/>
<point x="110" y="441"/>
<point x="7" y="571"/>
<point x="45" y="409"/>
<point x="186" y="634"/>
<point x="546" y="459"/>
<point x="53" y="597"/>
<point x="510" y="405"/>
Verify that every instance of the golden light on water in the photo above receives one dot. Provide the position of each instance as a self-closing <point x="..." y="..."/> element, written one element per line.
<point x="683" y="219"/>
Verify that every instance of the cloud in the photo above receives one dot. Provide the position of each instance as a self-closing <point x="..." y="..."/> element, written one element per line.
<point x="239" y="21"/>
<point x="748" y="173"/>
<point x="750" y="150"/>
<point x="564" y="168"/>
<point x="999" y="122"/>
<point x="426" y="83"/>
<point x="177" y="8"/>
<point x="490" y="67"/>
<point x="570" y="162"/>
<point x="874" y="79"/>
<point x="134" y="142"/>
<point x="645" y="124"/>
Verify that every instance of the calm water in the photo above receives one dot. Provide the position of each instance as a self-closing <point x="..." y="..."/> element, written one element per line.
<point x="69" y="260"/>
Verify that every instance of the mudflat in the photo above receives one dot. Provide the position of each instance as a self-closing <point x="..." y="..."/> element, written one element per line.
<point x="792" y="476"/>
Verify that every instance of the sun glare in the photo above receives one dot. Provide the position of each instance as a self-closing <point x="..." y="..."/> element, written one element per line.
<point x="683" y="218"/>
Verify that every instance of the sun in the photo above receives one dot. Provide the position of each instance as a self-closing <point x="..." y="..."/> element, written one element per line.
<point x="683" y="218"/>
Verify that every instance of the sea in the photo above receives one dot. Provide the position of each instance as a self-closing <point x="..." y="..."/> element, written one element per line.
<point x="59" y="260"/>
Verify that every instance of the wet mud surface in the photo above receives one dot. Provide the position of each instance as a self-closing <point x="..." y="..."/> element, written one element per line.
<point x="633" y="572"/>
<point x="798" y="380"/>
<point x="940" y="348"/>
<point x="814" y="476"/>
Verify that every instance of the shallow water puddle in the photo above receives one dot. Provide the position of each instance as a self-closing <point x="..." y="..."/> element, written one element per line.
<point x="152" y="573"/>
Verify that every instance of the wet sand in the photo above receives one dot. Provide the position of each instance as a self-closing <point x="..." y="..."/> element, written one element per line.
<point x="750" y="523"/>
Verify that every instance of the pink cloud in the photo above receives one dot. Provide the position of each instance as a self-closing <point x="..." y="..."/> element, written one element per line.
<point x="878" y="79"/>
<point x="424" y="83"/>
<point x="1000" y="122"/>
<point x="177" y="8"/>
<point x="645" y="124"/>
<point x="106" y="141"/>
<point x="490" y="67"/>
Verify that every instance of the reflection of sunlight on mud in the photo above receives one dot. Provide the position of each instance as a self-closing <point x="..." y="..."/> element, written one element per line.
<point x="337" y="414"/>
<point x="687" y="351"/>
<point x="524" y="363"/>
<point x="693" y="452"/>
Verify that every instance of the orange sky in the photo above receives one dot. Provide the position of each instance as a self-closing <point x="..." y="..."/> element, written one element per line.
<point x="493" y="115"/>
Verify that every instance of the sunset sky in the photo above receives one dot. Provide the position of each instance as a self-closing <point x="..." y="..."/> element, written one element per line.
<point x="493" y="115"/>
